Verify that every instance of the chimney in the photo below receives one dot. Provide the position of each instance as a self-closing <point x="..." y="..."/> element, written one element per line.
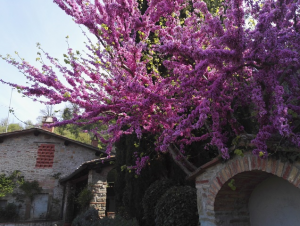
<point x="94" y="141"/>
<point x="45" y="121"/>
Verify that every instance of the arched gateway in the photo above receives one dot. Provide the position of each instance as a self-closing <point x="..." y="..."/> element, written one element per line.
<point x="246" y="191"/>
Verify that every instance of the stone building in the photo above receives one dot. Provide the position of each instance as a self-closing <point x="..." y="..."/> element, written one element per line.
<point x="95" y="174"/>
<point x="248" y="191"/>
<point x="46" y="157"/>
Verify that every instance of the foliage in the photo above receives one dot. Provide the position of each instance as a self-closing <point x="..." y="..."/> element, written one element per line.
<point x="184" y="70"/>
<point x="14" y="126"/>
<point x="30" y="188"/>
<point x="88" y="218"/>
<point x="9" y="183"/>
<point x="129" y="187"/>
<point x="178" y="206"/>
<point x="76" y="132"/>
<point x="11" y="127"/>
<point x="84" y="198"/>
<point x="91" y="218"/>
<point x="67" y="132"/>
<point x="9" y="213"/>
<point x="29" y="124"/>
<point x="152" y="195"/>
<point x="116" y="221"/>
<point x="231" y="184"/>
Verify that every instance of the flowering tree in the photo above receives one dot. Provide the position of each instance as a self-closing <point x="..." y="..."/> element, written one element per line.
<point x="178" y="70"/>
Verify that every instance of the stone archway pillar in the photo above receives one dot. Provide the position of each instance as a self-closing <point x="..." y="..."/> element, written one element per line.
<point x="98" y="183"/>
<point x="218" y="204"/>
<point x="206" y="191"/>
<point x="206" y="216"/>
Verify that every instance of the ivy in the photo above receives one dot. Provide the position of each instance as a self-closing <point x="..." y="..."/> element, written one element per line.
<point x="84" y="198"/>
<point x="231" y="184"/>
<point x="9" y="183"/>
<point x="30" y="188"/>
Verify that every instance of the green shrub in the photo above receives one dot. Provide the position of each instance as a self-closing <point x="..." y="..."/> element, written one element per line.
<point x="88" y="218"/>
<point x="9" y="213"/>
<point x="9" y="182"/>
<point x="30" y="188"/>
<point x="84" y="198"/>
<point x="116" y="221"/>
<point x="177" y="207"/>
<point x="152" y="195"/>
<point x="91" y="218"/>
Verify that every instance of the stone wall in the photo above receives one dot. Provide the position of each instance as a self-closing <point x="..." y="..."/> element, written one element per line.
<point x="220" y="203"/>
<point x="98" y="181"/>
<point x="30" y="155"/>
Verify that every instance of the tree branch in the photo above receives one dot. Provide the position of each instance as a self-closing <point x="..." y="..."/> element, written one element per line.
<point x="181" y="160"/>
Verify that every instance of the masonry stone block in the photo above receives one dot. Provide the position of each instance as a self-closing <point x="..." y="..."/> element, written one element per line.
<point x="44" y="158"/>
<point x="294" y="172"/>
<point x="249" y="170"/>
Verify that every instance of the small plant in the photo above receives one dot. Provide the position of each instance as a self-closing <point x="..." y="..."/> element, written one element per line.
<point x="152" y="195"/>
<point x="84" y="198"/>
<point x="88" y="218"/>
<point x="56" y="175"/>
<point x="231" y="184"/>
<point x="116" y="221"/>
<point x="9" y="183"/>
<point x="30" y="188"/>
<point x="91" y="218"/>
<point x="178" y="206"/>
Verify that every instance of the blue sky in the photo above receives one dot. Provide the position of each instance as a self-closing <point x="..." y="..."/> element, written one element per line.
<point x="23" y="23"/>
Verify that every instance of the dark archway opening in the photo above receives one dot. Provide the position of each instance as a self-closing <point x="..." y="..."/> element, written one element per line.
<point x="79" y="186"/>
<point x="231" y="202"/>
<point x="110" y="194"/>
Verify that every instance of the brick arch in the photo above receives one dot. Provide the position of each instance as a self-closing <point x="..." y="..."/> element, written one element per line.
<point x="218" y="204"/>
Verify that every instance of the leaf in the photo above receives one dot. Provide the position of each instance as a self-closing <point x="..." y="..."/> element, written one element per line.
<point x="231" y="184"/>
<point x="239" y="152"/>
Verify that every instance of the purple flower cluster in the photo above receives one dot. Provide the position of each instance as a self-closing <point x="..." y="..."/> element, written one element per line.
<point x="214" y="66"/>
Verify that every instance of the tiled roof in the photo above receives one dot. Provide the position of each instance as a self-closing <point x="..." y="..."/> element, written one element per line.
<point x="87" y="164"/>
<point x="38" y="130"/>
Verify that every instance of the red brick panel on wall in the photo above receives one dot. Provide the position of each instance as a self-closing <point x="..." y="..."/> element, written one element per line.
<point x="45" y="156"/>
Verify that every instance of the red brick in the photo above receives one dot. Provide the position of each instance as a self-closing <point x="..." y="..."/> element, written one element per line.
<point x="293" y="174"/>
<point x="213" y="191"/>
<point x="280" y="167"/>
<point x="287" y="170"/>
<point x="227" y="171"/>
<point x="274" y="167"/>
<point x="45" y="155"/>
<point x="216" y="184"/>
<point x="241" y="163"/>
<point x="269" y="166"/>
<point x="219" y="181"/>
<point x="246" y="164"/>
<point x="253" y="162"/>
<point x="263" y="164"/>
<point x="214" y="187"/>
<point x="224" y="176"/>
<point x="239" y="168"/>
<point x="233" y="168"/>
<point x="259" y="165"/>
<point x="297" y="181"/>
